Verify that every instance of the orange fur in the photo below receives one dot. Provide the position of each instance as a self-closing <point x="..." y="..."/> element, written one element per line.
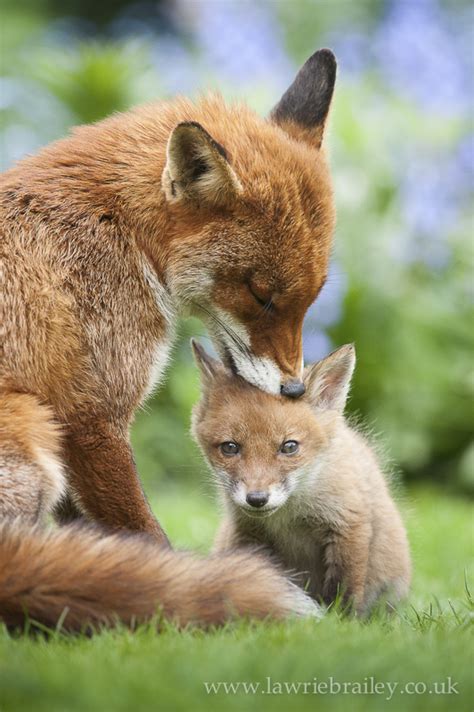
<point x="87" y="580"/>
<point x="107" y="235"/>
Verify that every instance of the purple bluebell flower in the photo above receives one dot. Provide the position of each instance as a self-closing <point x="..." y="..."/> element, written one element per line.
<point x="464" y="162"/>
<point x="177" y="69"/>
<point x="327" y="308"/>
<point x="324" y="312"/>
<point x="416" y="48"/>
<point x="352" y="51"/>
<point x="241" y="41"/>
<point x="38" y="117"/>
<point x="316" y="345"/>
<point x="434" y="193"/>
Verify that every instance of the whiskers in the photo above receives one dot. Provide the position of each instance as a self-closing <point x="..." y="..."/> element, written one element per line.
<point x="235" y="338"/>
<point x="267" y="308"/>
<point x="221" y="482"/>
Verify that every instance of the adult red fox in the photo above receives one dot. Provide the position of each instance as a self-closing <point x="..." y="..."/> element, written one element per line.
<point x="298" y="480"/>
<point x="108" y="235"/>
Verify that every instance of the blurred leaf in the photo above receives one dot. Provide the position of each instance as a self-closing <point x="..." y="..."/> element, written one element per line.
<point x="94" y="81"/>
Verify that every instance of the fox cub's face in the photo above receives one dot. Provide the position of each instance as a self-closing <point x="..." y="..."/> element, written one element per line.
<point x="264" y="448"/>
<point x="253" y="215"/>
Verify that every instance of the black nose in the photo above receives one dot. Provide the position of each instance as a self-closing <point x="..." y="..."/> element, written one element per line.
<point x="293" y="388"/>
<point x="257" y="499"/>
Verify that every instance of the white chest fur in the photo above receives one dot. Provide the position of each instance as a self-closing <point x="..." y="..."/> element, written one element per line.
<point x="162" y="348"/>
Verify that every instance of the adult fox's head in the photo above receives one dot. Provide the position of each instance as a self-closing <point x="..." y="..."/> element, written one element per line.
<point x="251" y="212"/>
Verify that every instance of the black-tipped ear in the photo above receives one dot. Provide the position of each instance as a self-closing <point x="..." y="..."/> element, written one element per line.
<point x="302" y="111"/>
<point x="197" y="168"/>
<point x="209" y="366"/>
<point x="328" y="381"/>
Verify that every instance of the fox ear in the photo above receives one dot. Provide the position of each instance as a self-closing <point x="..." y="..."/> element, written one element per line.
<point x="328" y="381"/>
<point x="197" y="168"/>
<point x="302" y="111"/>
<point x="209" y="367"/>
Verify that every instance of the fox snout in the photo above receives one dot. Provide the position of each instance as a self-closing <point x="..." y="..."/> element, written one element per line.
<point x="293" y="388"/>
<point x="247" y="350"/>
<point x="259" y="501"/>
<point x="257" y="498"/>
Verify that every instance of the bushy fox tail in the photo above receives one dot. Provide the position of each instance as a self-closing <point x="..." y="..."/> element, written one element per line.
<point x="86" y="579"/>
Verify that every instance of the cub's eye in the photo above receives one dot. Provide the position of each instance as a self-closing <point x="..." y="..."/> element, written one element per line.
<point x="289" y="447"/>
<point x="229" y="448"/>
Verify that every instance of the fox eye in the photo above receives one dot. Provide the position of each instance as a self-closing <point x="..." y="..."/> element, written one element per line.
<point x="289" y="447"/>
<point x="262" y="299"/>
<point x="229" y="448"/>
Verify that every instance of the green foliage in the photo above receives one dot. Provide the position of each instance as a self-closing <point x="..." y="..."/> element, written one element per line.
<point x="92" y="80"/>
<point x="411" y="322"/>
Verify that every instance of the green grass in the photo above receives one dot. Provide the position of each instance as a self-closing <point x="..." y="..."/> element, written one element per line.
<point x="426" y="642"/>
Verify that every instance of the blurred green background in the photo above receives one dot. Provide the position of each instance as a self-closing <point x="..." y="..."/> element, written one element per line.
<point x="402" y="151"/>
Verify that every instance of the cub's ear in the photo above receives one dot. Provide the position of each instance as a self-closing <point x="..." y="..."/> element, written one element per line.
<point x="327" y="382"/>
<point x="302" y="111"/>
<point x="197" y="168"/>
<point x="209" y="367"/>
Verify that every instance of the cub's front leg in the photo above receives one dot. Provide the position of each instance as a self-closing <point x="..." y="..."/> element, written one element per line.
<point x="104" y="481"/>
<point x="345" y="559"/>
<point x="229" y="536"/>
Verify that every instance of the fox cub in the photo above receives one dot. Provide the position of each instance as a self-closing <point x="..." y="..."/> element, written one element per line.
<point x="297" y="479"/>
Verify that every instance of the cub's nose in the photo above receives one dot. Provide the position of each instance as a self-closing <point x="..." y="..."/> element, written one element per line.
<point x="257" y="499"/>
<point x="293" y="388"/>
